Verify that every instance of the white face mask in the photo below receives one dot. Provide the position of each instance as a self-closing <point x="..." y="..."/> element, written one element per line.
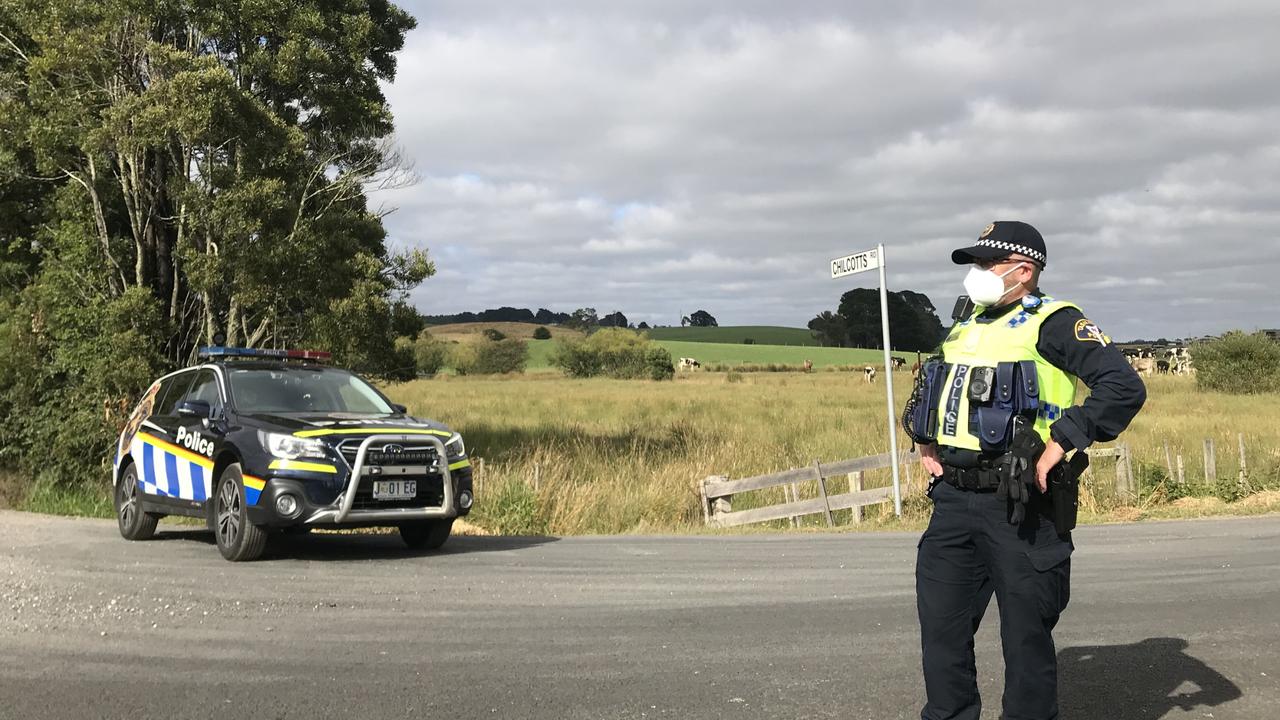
<point x="985" y="287"/>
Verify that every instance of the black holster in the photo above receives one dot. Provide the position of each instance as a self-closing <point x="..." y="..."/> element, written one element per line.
<point x="1064" y="491"/>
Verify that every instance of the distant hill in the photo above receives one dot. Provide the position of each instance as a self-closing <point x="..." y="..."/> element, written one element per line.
<point x="761" y="334"/>
<point x="466" y="332"/>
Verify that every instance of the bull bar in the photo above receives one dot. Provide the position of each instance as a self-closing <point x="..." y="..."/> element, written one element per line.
<point x="343" y="512"/>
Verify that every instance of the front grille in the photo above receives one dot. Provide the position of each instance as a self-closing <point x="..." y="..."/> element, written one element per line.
<point x="430" y="494"/>
<point x="411" y="455"/>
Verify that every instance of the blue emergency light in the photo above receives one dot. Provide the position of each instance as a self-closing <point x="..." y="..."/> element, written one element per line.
<point x="225" y="352"/>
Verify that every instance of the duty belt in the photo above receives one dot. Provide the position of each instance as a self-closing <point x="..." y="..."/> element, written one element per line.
<point x="970" y="478"/>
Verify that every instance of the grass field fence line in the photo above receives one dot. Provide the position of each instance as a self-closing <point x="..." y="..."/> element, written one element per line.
<point x="717" y="492"/>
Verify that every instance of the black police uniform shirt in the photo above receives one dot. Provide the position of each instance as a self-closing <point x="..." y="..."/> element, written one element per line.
<point x="1116" y="393"/>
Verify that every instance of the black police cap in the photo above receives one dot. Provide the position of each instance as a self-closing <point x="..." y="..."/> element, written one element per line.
<point x="1001" y="238"/>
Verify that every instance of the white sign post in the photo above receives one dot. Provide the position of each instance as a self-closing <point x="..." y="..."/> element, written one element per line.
<point x="851" y="265"/>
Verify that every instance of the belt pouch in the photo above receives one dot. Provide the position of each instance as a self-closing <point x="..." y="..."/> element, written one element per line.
<point x="993" y="427"/>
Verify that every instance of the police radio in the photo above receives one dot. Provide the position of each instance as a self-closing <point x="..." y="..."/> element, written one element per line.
<point x="963" y="309"/>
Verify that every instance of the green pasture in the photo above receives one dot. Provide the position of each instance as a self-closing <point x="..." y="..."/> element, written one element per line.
<point x="761" y="334"/>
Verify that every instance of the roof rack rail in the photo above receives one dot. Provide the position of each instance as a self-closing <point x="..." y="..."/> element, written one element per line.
<point x="218" y="351"/>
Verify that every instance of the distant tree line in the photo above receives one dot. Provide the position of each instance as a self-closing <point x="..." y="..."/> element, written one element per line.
<point x="503" y="314"/>
<point x="913" y="321"/>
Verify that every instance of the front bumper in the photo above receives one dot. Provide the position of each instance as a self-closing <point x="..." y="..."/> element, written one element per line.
<point x="334" y="501"/>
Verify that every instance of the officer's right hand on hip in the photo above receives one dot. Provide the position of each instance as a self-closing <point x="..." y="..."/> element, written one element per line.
<point x="929" y="460"/>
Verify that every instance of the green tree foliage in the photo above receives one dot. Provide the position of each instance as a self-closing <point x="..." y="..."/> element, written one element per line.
<point x="541" y="333"/>
<point x="490" y="357"/>
<point x="830" y="329"/>
<point x="616" y="353"/>
<point x="913" y="321"/>
<point x="702" y="318"/>
<point x="583" y="319"/>
<point x="1238" y="363"/>
<point x="494" y="334"/>
<point x="176" y="169"/>
<point x="430" y="354"/>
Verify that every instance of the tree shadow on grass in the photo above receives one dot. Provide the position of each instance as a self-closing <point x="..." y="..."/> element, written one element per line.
<point x="1140" y="681"/>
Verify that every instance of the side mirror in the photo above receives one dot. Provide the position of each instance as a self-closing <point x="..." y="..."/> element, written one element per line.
<point x="399" y="408"/>
<point x="195" y="408"/>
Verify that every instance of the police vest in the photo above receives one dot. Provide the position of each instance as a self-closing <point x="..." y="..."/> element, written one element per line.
<point x="1006" y="345"/>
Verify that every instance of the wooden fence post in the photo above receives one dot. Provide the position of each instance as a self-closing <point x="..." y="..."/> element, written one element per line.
<point x="1210" y="462"/>
<point x="706" y="502"/>
<point x="1182" y="476"/>
<point x="1168" y="461"/>
<point x="1121" y="487"/>
<point x="479" y="477"/>
<point x="795" y="495"/>
<point x="1244" y="469"/>
<point x="1128" y="471"/>
<point x="855" y="485"/>
<point x="822" y="488"/>
<point x="788" y="492"/>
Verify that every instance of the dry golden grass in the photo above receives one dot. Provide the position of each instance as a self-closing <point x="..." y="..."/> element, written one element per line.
<point x="603" y="456"/>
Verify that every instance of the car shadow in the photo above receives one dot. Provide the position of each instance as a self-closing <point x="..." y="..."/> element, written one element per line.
<point x="339" y="547"/>
<point x="358" y="545"/>
<point x="1140" y="681"/>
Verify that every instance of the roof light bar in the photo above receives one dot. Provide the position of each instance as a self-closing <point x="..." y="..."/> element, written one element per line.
<point x="218" y="351"/>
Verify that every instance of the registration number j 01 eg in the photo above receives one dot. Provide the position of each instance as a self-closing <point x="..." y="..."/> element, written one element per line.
<point x="395" y="489"/>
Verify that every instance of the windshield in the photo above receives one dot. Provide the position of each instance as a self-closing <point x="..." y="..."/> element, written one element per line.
<point x="303" y="390"/>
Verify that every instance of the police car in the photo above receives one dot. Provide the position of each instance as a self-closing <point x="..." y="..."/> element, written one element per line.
<point x="256" y="441"/>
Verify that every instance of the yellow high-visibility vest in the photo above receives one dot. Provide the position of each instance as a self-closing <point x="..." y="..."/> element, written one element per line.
<point x="1011" y="338"/>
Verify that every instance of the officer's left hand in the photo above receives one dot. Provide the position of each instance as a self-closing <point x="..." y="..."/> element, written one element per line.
<point x="1052" y="455"/>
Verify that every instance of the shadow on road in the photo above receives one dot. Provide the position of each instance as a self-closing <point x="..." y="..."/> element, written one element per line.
<point x="1140" y="681"/>
<point x="361" y="545"/>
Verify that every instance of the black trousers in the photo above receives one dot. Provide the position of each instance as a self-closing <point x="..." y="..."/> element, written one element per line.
<point x="969" y="552"/>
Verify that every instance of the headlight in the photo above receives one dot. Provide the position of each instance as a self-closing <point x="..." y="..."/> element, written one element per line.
<point x="288" y="447"/>
<point x="455" y="447"/>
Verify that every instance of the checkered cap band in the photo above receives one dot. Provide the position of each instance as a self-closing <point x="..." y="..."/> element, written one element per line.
<point x="1014" y="247"/>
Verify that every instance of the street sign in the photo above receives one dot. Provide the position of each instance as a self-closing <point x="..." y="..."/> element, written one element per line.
<point x="855" y="263"/>
<point x="851" y="265"/>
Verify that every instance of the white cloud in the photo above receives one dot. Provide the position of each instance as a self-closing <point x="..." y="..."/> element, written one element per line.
<point x="665" y="155"/>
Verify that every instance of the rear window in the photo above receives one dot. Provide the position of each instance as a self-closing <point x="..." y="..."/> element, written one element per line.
<point x="303" y="390"/>
<point x="172" y="390"/>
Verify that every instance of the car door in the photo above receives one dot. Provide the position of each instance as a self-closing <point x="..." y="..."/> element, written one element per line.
<point x="198" y="435"/>
<point x="153" y="446"/>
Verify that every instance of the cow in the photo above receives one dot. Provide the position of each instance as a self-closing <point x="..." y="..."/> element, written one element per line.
<point x="897" y="363"/>
<point x="1162" y="367"/>
<point x="869" y="373"/>
<point x="689" y="363"/>
<point x="808" y="366"/>
<point x="1144" y="365"/>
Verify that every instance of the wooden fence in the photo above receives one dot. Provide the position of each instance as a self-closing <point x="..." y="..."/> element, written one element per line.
<point x="1126" y="486"/>
<point x="718" y="490"/>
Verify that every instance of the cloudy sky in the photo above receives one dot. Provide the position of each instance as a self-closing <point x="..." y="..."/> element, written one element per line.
<point x="661" y="156"/>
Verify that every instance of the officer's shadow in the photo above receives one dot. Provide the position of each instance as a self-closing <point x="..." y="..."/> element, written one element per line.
<point x="1141" y="681"/>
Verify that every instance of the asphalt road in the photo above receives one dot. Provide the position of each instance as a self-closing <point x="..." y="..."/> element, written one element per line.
<point x="1167" y="620"/>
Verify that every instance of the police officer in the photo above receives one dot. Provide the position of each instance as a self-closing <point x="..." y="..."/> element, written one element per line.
<point x="1014" y="359"/>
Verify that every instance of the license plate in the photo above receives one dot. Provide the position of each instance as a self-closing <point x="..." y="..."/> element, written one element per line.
<point x="395" y="489"/>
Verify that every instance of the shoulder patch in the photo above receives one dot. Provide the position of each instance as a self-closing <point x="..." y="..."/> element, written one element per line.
<point x="1087" y="331"/>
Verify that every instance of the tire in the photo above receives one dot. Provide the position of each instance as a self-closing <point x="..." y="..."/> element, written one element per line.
<point x="134" y="523"/>
<point x="426" y="534"/>
<point x="238" y="539"/>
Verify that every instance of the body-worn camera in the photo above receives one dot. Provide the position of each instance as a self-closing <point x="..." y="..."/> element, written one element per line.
<point x="980" y="381"/>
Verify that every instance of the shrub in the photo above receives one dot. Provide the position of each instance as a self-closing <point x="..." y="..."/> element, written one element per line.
<point x="541" y="333"/>
<point x="1238" y="363"/>
<point x="430" y="354"/>
<point x="616" y="353"/>
<point x="490" y="357"/>
<point x="494" y="334"/>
